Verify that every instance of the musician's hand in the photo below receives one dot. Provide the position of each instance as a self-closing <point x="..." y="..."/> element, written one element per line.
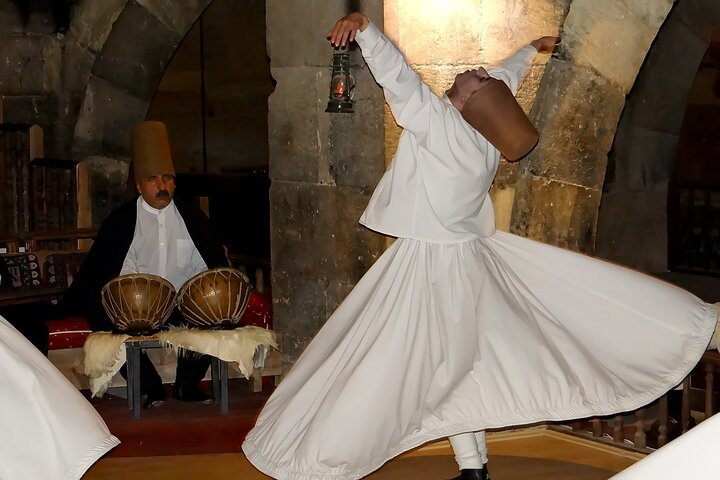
<point x="545" y="44"/>
<point x="344" y="30"/>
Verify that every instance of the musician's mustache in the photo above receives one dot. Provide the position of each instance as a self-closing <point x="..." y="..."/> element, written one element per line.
<point x="162" y="194"/>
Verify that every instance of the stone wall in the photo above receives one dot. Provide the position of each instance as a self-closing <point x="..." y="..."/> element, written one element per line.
<point x="31" y="80"/>
<point x="323" y="168"/>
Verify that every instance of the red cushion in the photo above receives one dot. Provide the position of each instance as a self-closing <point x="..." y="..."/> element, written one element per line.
<point x="259" y="311"/>
<point x="70" y="332"/>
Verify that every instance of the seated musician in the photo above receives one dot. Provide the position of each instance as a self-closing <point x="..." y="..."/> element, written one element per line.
<point x="152" y="234"/>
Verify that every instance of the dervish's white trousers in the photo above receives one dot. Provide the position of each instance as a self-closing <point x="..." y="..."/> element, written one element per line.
<point x="470" y="449"/>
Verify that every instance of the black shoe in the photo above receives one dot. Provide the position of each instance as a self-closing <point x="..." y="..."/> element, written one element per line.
<point x="192" y="394"/>
<point x="155" y="398"/>
<point x="473" y="474"/>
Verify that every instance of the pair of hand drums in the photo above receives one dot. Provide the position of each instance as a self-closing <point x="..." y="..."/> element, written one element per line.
<point x="215" y="298"/>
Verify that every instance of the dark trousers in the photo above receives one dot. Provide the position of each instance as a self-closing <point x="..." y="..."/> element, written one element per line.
<point x="191" y="367"/>
<point x="190" y="371"/>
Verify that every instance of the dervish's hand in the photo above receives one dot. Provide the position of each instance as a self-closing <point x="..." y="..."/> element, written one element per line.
<point x="545" y="44"/>
<point x="345" y="29"/>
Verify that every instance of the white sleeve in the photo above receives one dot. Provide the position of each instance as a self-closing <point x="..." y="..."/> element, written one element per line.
<point x="130" y="263"/>
<point x="512" y="70"/>
<point x="412" y="102"/>
<point x="198" y="264"/>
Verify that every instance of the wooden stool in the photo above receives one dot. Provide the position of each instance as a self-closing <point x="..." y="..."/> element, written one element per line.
<point x="133" y="349"/>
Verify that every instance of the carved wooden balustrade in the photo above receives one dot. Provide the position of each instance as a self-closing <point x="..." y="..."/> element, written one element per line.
<point x="652" y="426"/>
<point x="694" y="228"/>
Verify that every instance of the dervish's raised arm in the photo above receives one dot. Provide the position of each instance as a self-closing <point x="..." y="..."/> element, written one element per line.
<point x="411" y="101"/>
<point x="513" y="69"/>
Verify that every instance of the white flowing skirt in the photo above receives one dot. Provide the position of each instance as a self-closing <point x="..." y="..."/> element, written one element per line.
<point x="441" y="339"/>
<point x="49" y="430"/>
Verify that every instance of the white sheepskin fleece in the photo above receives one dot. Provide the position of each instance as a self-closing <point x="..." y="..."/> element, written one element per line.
<point x="105" y="352"/>
<point x="238" y="345"/>
<point x="104" y="355"/>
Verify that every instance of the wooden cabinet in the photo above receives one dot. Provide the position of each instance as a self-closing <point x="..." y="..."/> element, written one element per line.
<point x="53" y="194"/>
<point x="38" y="196"/>
<point x="19" y="144"/>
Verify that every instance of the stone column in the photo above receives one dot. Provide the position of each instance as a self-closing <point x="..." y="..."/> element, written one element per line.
<point x="323" y="169"/>
<point x="578" y="106"/>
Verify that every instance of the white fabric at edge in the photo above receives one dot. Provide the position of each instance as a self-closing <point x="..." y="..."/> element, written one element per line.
<point x="693" y="455"/>
<point x="50" y="431"/>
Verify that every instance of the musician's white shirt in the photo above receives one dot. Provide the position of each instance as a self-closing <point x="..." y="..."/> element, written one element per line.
<point x="162" y="246"/>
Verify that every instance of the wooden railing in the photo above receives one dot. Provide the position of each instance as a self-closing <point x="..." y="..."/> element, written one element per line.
<point x="59" y="240"/>
<point x="652" y="426"/>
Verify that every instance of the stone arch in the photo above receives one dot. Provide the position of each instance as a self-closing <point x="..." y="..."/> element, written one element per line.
<point x="635" y="195"/>
<point x="117" y="53"/>
<point x="578" y="106"/>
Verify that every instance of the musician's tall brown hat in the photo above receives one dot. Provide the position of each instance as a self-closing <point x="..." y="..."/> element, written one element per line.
<point x="493" y="111"/>
<point x="151" y="150"/>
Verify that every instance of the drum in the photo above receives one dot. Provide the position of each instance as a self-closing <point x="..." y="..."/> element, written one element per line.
<point x="215" y="298"/>
<point x="138" y="303"/>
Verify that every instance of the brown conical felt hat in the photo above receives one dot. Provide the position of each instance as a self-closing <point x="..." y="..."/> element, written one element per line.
<point x="493" y="111"/>
<point x="151" y="150"/>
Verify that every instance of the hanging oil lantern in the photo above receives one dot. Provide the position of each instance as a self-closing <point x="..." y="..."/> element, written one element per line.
<point x="342" y="85"/>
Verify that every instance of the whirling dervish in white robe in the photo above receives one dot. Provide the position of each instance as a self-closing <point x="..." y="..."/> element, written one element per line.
<point x="49" y="430"/>
<point x="458" y="327"/>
